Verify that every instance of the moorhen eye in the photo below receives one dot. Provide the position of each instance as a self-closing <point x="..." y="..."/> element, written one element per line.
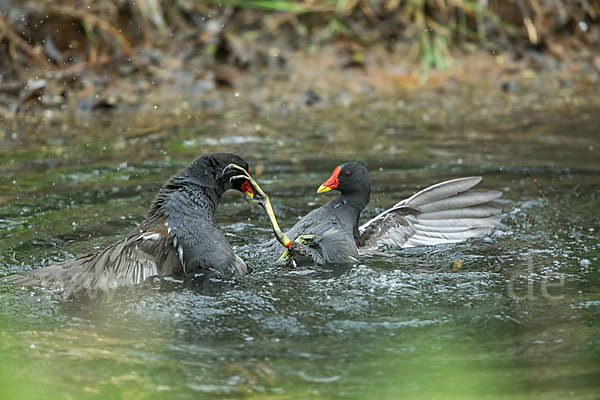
<point x="348" y="173"/>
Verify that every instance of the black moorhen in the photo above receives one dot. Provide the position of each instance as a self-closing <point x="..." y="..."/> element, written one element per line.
<point x="179" y="236"/>
<point x="447" y="212"/>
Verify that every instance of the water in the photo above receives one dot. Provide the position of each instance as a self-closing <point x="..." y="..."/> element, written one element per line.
<point x="519" y="319"/>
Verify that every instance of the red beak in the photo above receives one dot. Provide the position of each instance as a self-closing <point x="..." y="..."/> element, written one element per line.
<point x="247" y="190"/>
<point x="330" y="183"/>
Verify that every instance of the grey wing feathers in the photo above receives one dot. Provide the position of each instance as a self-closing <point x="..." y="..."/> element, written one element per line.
<point x="332" y="246"/>
<point x="441" y="190"/>
<point x="333" y="241"/>
<point x="447" y="212"/>
<point x="337" y="247"/>
<point x="124" y="263"/>
<point x="273" y="247"/>
<point x="305" y="226"/>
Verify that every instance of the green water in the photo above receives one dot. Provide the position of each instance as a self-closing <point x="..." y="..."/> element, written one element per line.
<point x="520" y="319"/>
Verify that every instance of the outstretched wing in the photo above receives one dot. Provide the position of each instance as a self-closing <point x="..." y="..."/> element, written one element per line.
<point x="127" y="262"/>
<point x="447" y="212"/>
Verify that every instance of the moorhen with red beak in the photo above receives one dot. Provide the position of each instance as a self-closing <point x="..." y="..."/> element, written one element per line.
<point x="448" y="212"/>
<point x="179" y="236"/>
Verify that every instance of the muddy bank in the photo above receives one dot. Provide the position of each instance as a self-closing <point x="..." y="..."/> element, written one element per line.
<point x="177" y="99"/>
<point x="122" y="56"/>
<point x="479" y="87"/>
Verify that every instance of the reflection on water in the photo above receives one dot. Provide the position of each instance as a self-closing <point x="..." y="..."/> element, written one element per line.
<point x="519" y="319"/>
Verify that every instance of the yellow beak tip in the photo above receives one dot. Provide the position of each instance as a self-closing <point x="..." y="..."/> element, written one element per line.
<point x="323" y="189"/>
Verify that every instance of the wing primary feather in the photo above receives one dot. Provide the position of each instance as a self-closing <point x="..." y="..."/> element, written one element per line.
<point x="127" y="262"/>
<point x="447" y="212"/>
<point x="441" y="190"/>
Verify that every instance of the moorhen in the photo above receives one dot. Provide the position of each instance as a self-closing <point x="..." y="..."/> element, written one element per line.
<point x="447" y="212"/>
<point x="178" y="237"/>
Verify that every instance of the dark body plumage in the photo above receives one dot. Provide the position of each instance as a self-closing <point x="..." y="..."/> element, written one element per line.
<point x="179" y="237"/>
<point x="334" y="225"/>
<point x="448" y="212"/>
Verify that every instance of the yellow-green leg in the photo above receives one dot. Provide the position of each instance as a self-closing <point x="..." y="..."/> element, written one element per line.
<point x="301" y="239"/>
<point x="262" y="199"/>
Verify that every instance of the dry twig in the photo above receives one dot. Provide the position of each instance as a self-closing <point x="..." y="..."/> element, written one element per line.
<point x="537" y="184"/>
<point x="15" y="40"/>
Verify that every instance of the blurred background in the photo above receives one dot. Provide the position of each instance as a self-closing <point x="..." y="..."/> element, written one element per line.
<point x="106" y="54"/>
<point x="102" y="101"/>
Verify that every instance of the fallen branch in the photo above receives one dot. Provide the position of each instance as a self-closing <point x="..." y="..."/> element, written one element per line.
<point x="99" y="61"/>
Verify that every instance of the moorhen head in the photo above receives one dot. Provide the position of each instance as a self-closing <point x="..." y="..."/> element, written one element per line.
<point x="328" y="234"/>
<point x="350" y="179"/>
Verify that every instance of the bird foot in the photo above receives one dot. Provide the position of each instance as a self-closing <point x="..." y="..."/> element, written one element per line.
<point x="303" y="240"/>
<point x="257" y="196"/>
